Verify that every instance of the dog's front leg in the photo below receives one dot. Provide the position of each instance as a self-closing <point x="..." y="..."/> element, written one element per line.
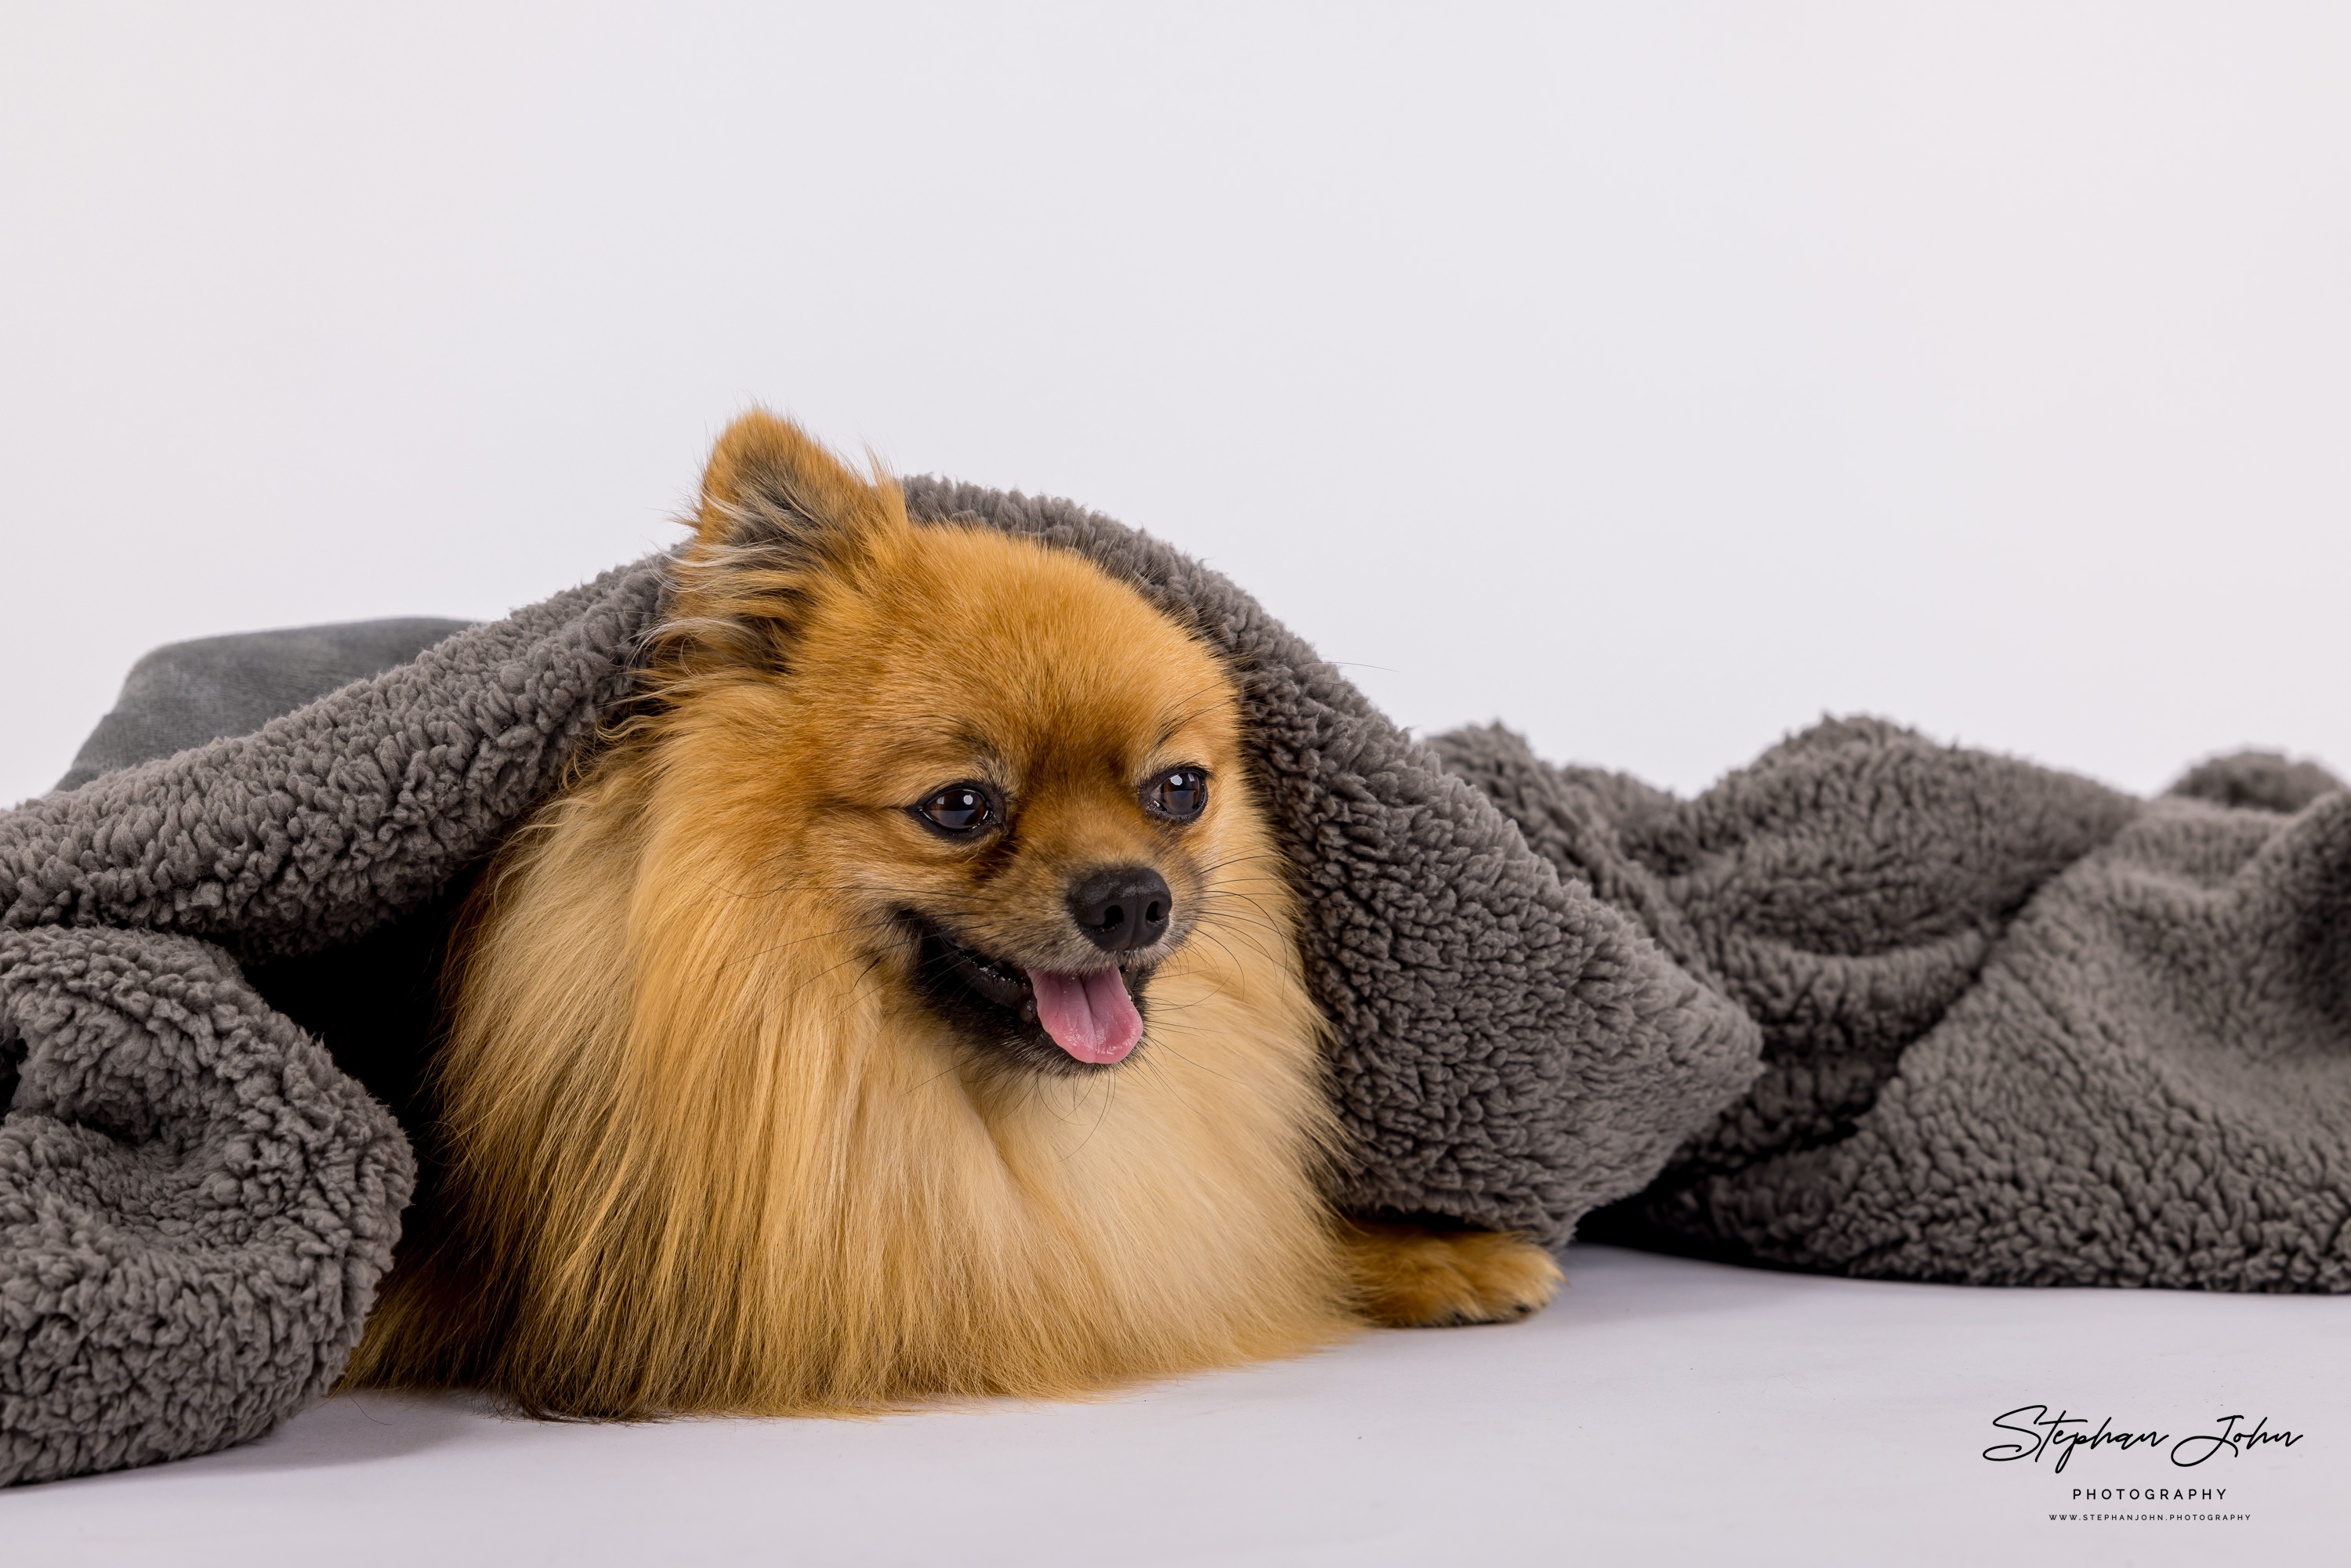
<point x="1409" y="1276"/>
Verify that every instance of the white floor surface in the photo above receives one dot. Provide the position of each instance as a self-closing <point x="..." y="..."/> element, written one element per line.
<point x="1662" y="1411"/>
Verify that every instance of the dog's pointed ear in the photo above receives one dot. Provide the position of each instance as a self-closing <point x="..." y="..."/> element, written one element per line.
<point x="770" y="482"/>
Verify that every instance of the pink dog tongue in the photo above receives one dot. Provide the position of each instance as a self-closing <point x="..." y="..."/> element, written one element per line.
<point x="1089" y="1016"/>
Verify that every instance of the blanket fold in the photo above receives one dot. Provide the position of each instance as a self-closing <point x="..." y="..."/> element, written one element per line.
<point x="1871" y="1004"/>
<point x="2018" y="1028"/>
<point x="196" y="1204"/>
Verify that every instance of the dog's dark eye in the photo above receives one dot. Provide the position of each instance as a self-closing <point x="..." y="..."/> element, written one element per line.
<point x="959" y="809"/>
<point x="1180" y="793"/>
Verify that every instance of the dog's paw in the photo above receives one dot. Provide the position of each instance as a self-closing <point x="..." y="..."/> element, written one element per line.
<point x="1410" y="1277"/>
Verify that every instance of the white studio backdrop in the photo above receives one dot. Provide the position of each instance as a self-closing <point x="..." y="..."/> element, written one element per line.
<point x="1655" y="378"/>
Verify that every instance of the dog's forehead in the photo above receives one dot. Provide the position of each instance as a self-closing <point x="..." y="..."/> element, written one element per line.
<point x="1058" y="700"/>
<point x="1022" y="661"/>
<point x="1075" y="711"/>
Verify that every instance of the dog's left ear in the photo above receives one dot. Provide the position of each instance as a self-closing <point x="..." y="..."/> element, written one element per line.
<point x="770" y="482"/>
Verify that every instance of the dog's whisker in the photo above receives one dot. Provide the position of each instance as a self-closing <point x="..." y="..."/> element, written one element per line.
<point x="1217" y="866"/>
<point x="1233" y="957"/>
<point x="1109" y="1091"/>
<point x="1227" y="919"/>
<point x="1169" y="1085"/>
<point x="1195" y="1066"/>
<point x="800" y="941"/>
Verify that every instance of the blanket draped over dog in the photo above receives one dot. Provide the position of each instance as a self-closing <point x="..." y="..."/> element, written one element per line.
<point x="1872" y="1006"/>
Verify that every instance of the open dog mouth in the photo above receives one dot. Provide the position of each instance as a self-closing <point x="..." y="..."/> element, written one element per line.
<point x="1057" y="1019"/>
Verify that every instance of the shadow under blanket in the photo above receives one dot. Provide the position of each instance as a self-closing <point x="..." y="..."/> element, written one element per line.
<point x="1870" y="1006"/>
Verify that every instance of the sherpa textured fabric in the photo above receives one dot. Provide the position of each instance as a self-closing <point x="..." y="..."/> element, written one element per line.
<point x="196" y="1202"/>
<point x="2018" y="1028"/>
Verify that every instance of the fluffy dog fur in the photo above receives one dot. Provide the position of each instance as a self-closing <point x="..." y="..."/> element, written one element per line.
<point x="715" y="1144"/>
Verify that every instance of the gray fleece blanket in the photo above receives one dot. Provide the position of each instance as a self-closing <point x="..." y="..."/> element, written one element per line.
<point x="1872" y="1006"/>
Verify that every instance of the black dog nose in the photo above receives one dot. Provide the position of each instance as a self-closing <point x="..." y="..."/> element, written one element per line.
<point x="1123" y="908"/>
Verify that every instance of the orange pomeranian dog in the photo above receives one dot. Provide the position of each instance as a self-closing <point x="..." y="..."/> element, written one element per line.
<point x="904" y="1002"/>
